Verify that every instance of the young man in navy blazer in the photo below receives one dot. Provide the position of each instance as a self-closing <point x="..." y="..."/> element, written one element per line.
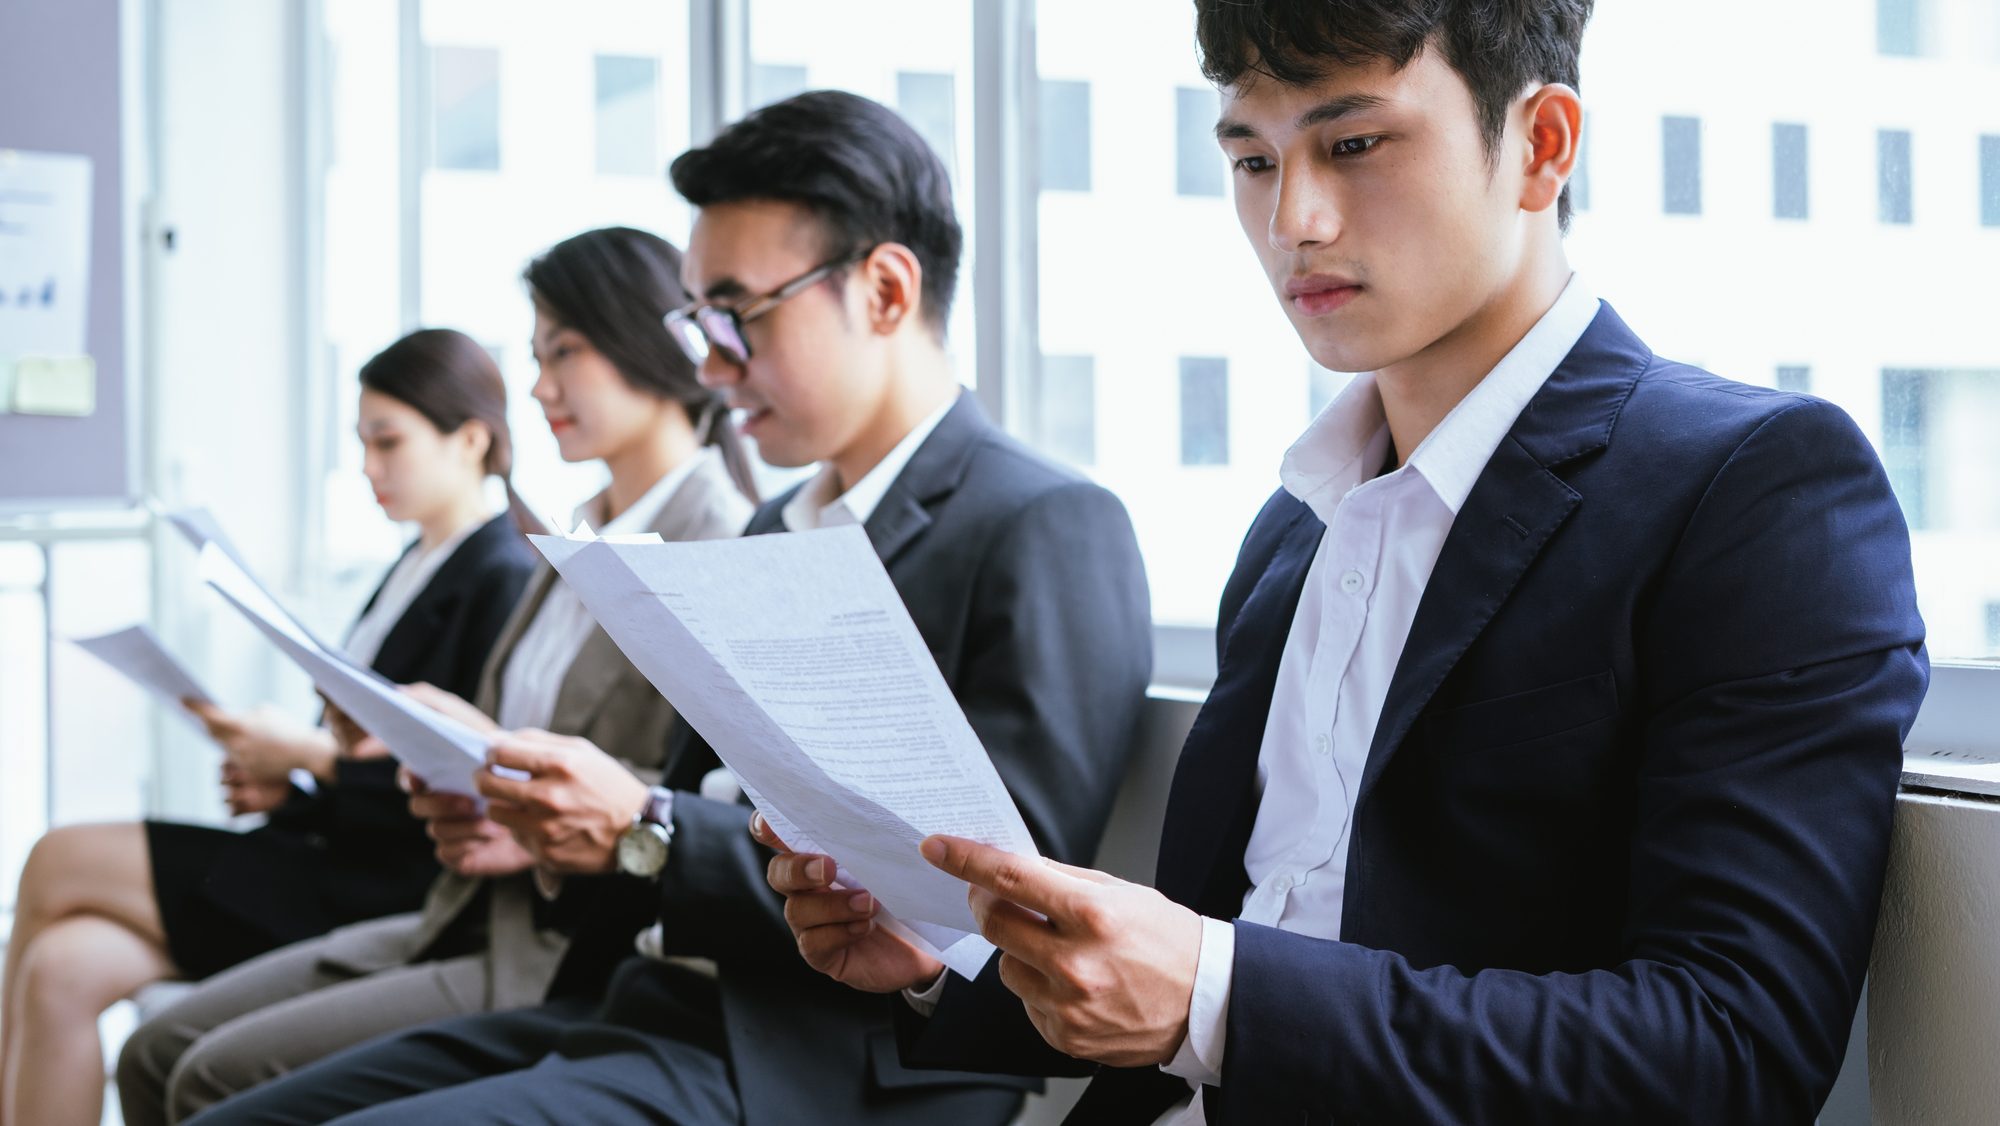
<point x="1548" y="771"/>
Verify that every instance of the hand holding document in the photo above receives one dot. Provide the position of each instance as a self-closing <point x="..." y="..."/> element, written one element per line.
<point x="137" y="653"/>
<point x="796" y="660"/>
<point x="445" y="753"/>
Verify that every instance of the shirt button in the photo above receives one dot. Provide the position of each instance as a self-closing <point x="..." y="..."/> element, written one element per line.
<point x="1323" y="745"/>
<point x="1350" y="582"/>
<point x="1283" y="884"/>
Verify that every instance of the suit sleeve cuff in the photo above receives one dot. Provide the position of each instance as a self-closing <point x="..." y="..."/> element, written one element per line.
<point x="925" y="1000"/>
<point x="1199" y="1060"/>
<point x="548" y="884"/>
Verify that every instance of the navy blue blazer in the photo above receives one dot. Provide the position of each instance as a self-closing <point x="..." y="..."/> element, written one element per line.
<point x="1620" y="838"/>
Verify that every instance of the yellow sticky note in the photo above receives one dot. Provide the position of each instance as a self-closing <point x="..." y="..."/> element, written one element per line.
<point x="57" y="385"/>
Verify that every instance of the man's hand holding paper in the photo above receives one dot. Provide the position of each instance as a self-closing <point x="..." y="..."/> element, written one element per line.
<point x="794" y="657"/>
<point x="566" y="801"/>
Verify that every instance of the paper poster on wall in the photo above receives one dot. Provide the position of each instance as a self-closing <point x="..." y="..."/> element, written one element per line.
<point x="44" y="282"/>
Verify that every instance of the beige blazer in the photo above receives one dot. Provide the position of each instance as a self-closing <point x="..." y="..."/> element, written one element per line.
<point x="602" y="699"/>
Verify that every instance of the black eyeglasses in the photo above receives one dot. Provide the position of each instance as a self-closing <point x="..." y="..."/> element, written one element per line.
<point x="702" y="327"/>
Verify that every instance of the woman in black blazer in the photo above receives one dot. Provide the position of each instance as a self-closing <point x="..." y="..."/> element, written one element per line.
<point x="105" y="909"/>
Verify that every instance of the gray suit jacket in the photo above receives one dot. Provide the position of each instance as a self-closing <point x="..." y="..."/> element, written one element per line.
<point x="602" y="699"/>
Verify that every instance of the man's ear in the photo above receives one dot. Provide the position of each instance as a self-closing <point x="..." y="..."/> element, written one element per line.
<point x="895" y="282"/>
<point x="1553" y="130"/>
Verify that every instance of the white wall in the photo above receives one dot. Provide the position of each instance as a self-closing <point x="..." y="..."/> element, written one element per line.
<point x="226" y="310"/>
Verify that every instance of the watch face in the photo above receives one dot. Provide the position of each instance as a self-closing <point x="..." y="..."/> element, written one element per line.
<point x="641" y="852"/>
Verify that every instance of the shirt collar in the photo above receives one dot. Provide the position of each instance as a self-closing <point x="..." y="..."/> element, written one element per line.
<point x="815" y="506"/>
<point x="1347" y="444"/>
<point x="645" y="511"/>
<point x="1456" y="452"/>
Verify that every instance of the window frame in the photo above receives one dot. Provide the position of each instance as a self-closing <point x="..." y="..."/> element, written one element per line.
<point x="1004" y="146"/>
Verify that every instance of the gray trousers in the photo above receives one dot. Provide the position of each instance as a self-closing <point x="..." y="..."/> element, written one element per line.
<point x="278" y="1012"/>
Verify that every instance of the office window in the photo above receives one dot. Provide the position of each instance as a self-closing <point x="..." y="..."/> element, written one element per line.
<point x="465" y="108"/>
<point x="921" y="69"/>
<point x="1906" y="420"/>
<point x="1989" y="181"/>
<point x="1198" y="162"/>
<point x="1680" y="164"/>
<point x="1898" y="27"/>
<point x="1788" y="172"/>
<point x="1892" y="175"/>
<point x="774" y="82"/>
<point x="628" y="116"/>
<point x="1204" y="410"/>
<point x="928" y="102"/>
<point x="1065" y="126"/>
<point x="1065" y="405"/>
<point x="1795" y="377"/>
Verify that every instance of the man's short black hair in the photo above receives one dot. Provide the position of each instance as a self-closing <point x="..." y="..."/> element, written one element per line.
<point x="1499" y="47"/>
<point x="858" y="167"/>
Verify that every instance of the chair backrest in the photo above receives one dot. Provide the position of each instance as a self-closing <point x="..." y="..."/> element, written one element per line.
<point x="1131" y="844"/>
<point x="1934" y="984"/>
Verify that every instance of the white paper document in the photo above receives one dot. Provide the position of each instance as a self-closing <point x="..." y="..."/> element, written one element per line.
<point x="137" y="653"/>
<point x="796" y="660"/>
<point x="199" y="527"/>
<point x="445" y="753"/>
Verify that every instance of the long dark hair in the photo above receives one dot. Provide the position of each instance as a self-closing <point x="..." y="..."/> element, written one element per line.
<point x="448" y="378"/>
<point x="614" y="285"/>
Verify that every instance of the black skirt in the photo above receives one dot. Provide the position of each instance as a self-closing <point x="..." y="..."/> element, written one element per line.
<point x="213" y="917"/>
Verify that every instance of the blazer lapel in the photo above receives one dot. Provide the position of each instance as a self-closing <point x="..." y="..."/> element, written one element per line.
<point x="598" y="667"/>
<point x="932" y="473"/>
<point x="1212" y="805"/>
<point x="600" y="664"/>
<point x="540" y="582"/>
<point x="415" y="632"/>
<point x="1513" y="511"/>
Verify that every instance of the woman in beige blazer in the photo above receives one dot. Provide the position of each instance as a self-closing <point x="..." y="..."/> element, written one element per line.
<point x="615" y="388"/>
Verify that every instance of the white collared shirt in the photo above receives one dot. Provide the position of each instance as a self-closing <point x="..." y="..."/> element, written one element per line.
<point x="535" y="670"/>
<point x="816" y="506"/>
<point x="1383" y="535"/>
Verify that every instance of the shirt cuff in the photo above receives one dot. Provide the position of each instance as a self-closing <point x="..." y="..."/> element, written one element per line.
<point x="548" y="884"/>
<point x="925" y="1000"/>
<point x="1199" y="1060"/>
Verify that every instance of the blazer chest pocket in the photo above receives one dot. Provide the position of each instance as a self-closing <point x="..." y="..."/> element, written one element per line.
<point x="1522" y="717"/>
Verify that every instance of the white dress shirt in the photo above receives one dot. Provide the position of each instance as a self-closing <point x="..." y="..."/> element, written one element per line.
<point x="534" y="674"/>
<point x="406" y="580"/>
<point x="817" y="506"/>
<point x="1383" y="535"/>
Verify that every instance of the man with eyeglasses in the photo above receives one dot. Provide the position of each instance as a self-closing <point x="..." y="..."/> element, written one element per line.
<point x="824" y="255"/>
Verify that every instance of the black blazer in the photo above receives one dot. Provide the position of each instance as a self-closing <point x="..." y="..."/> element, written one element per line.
<point x="351" y="850"/>
<point x="1025" y="580"/>
<point x="1621" y="834"/>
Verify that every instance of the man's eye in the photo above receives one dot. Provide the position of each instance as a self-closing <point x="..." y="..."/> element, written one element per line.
<point x="1355" y="146"/>
<point x="1253" y="164"/>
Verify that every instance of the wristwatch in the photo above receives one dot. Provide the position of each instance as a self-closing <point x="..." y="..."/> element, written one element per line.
<point x="642" y="849"/>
